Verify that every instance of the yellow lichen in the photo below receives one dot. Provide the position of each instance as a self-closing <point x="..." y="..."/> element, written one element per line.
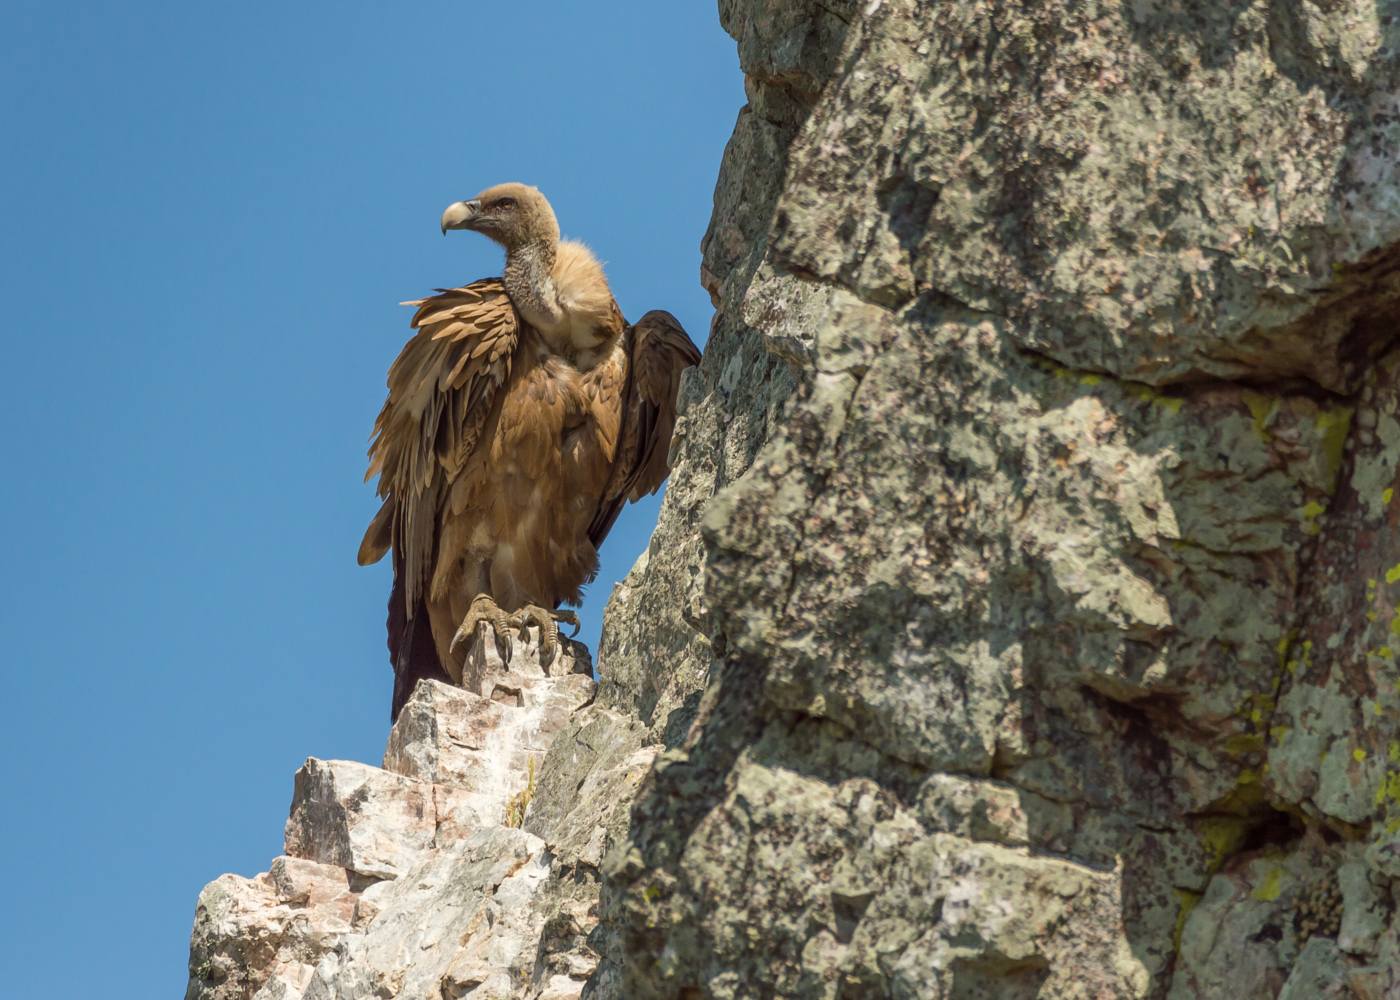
<point x="1387" y="495"/>
<point x="1358" y="755"/>
<point x="1186" y="902"/>
<point x="1310" y="512"/>
<point x="1243" y="743"/>
<point x="1334" y="425"/>
<point x="1272" y="886"/>
<point x="1389" y="789"/>
<point x="520" y="801"/>
<point x="1221" y="837"/>
<point x="1261" y="408"/>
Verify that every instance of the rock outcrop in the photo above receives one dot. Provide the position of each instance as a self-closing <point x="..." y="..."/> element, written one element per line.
<point x="1050" y="634"/>
<point x="1023" y="616"/>
<point x="416" y="879"/>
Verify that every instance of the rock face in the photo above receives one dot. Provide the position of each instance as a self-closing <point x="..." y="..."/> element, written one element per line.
<point x="1023" y="616"/>
<point x="1049" y="625"/>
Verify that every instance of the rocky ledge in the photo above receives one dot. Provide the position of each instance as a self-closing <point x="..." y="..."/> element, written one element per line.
<point x="452" y="871"/>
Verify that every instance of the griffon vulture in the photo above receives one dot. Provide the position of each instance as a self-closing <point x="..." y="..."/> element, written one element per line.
<point x="521" y="415"/>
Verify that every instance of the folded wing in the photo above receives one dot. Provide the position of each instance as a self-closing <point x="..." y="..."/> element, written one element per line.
<point x="442" y="389"/>
<point x="658" y="352"/>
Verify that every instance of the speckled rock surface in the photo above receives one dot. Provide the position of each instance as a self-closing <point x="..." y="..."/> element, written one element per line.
<point x="1049" y="613"/>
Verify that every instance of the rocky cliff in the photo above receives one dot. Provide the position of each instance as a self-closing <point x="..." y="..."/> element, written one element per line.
<point x="1024" y="612"/>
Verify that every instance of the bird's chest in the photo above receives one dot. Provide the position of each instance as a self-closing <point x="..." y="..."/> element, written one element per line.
<point x="559" y="421"/>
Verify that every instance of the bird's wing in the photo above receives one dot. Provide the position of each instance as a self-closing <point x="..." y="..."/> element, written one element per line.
<point x="441" y="390"/>
<point x="658" y="352"/>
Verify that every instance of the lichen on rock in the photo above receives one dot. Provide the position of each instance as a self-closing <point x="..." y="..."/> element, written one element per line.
<point x="1068" y="550"/>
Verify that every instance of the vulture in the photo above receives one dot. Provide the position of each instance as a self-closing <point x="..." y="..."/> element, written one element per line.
<point x="523" y="412"/>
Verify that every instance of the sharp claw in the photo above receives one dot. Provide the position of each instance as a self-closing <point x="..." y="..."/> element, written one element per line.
<point x="483" y="610"/>
<point x="458" y="637"/>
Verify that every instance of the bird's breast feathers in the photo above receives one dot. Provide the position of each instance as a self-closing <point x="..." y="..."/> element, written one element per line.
<point x="583" y="293"/>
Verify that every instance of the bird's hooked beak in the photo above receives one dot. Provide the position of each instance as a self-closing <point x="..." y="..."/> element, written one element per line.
<point x="459" y="215"/>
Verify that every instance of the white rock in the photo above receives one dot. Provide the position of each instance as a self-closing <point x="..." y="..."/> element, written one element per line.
<point x="359" y="817"/>
<point x="404" y="881"/>
<point x="481" y="748"/>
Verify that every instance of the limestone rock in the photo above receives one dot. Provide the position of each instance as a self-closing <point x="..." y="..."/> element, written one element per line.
<point x="481" y="747"/>
<point x="264" y="935"/>
<point x="361" y="818"/>
<point x="409" y="881"/>
<point x="438" y="930"/>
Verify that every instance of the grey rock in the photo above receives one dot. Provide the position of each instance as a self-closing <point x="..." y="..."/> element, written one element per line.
<point x="1058" y="544"/>
<point x="588" y="779"/>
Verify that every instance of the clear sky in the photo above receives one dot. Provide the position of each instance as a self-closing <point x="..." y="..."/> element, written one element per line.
<point x="210" y="214"/>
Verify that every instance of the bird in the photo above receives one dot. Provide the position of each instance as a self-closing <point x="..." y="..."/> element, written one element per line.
<point x="522" y="414"/>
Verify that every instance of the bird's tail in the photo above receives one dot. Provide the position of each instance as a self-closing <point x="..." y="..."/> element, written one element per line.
<point x="411" y="648"/>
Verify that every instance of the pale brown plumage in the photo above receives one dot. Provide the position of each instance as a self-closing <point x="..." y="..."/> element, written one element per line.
<point x="521" y="416"/>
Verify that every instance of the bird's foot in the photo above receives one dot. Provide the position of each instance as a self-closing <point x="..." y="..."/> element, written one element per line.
<point x="483" y="609"/>
<point x="548" y="622"/>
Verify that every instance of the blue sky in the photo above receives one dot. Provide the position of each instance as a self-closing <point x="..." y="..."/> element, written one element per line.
<point x="211" y="213"/>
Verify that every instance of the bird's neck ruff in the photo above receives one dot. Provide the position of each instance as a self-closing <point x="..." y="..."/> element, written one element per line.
<point x="529" y="280"/>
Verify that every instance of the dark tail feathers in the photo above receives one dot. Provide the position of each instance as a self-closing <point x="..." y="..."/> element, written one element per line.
<point x="411" y="648"/>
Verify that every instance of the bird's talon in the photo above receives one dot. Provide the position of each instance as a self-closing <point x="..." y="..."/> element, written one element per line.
<point x="458" y="637"/>
<point x="483" y="609"/>
<point x="547" y="621"/>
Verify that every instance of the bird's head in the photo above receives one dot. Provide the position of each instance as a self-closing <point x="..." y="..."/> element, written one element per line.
<point x="514" y="215"/>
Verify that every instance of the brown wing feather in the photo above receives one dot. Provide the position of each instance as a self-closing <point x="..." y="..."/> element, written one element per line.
<point x="658" y="352"/>
<point x="441" y="390"/>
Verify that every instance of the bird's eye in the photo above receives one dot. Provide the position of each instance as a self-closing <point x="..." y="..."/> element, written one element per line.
<point x="505" y="202"/>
